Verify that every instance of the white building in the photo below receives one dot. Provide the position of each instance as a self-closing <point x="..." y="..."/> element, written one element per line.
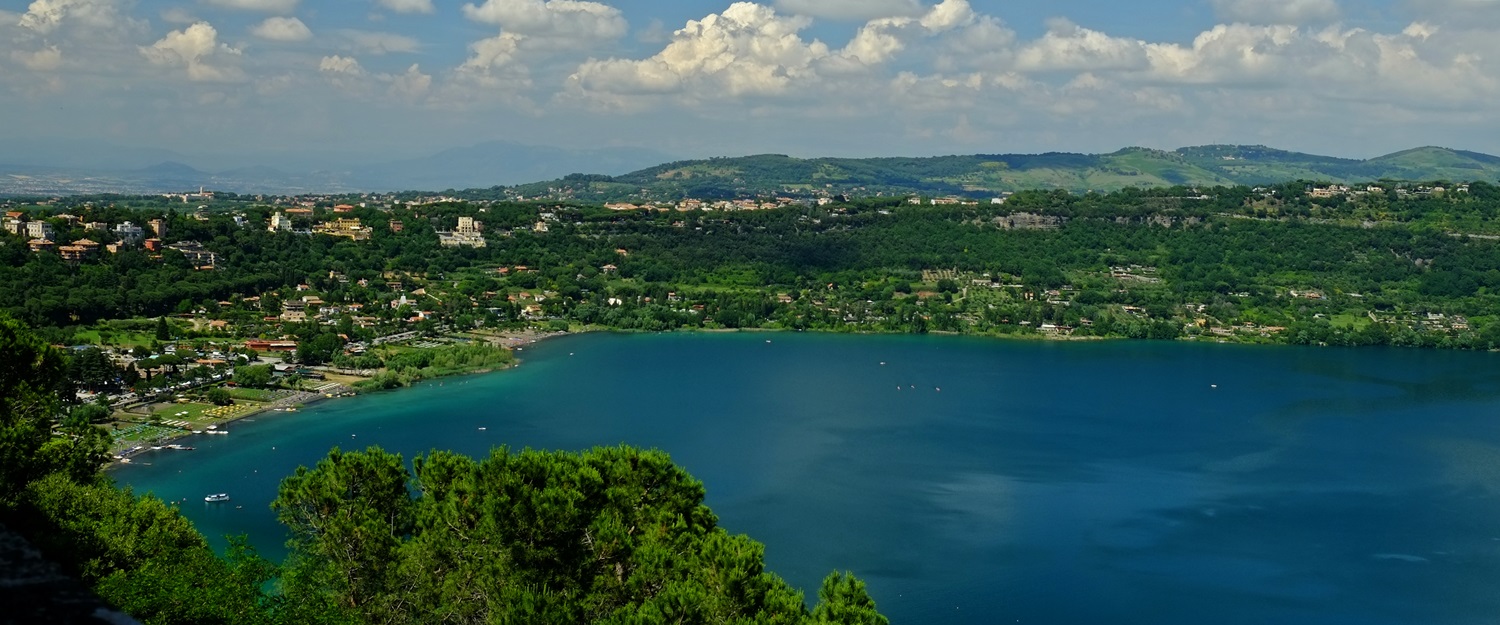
<point x="280" y="223"/>
<point x="39" y="230"/>
<point x="130" y="233"/>
<point x="468" y="234"/>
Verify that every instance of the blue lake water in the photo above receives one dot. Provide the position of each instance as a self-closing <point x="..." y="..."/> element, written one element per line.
<point x="979" y="481"/>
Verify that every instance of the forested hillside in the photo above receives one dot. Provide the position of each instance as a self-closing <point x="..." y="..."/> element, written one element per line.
<point x="983" y="175"/>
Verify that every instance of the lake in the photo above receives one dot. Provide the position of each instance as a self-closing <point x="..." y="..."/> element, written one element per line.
<point x="980" y="481"/>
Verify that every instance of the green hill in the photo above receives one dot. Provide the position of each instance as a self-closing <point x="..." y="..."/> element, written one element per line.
<point x="1438" y="163"/>
<point x="988" y="174"/>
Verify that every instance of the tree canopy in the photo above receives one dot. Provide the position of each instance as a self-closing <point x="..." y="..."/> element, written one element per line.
<point x="611" y="535"/>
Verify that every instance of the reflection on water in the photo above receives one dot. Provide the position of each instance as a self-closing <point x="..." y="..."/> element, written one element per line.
<point x="973" y="481"/>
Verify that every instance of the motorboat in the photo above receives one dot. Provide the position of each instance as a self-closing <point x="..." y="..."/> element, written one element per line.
<point x="216" y="497"/>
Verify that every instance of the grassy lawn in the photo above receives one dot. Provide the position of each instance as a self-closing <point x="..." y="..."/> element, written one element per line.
<point x="132" y="434"/>
<point x="116" y="337"/>
<point x="346" y="380"/>
<point x="182" y="409"/>
<point x="194" y="416"/>
<point x="254" y="394"/>
<point x="1350" y="320"/>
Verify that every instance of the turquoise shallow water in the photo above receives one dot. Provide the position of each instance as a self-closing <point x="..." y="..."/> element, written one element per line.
<point x="975" y="481"/>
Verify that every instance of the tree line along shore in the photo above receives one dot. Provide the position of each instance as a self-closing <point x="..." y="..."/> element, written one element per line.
<point x="182" y="316"/>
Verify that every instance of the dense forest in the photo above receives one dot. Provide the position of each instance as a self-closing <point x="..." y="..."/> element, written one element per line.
<point x="605" y="536"/>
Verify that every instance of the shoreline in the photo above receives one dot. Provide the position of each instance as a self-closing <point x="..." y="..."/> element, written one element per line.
<point x="514" y="341"/>
<point x="518" y="341"/>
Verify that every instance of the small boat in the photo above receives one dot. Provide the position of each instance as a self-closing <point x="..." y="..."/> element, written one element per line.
<point x="216" y="497"/>
<point x="217" y="432"/>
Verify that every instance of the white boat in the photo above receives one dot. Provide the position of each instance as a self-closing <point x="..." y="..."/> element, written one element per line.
<point x="216" y="497"/>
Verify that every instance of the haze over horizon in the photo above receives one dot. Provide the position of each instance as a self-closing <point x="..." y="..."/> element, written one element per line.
<point x="383" y="80"/>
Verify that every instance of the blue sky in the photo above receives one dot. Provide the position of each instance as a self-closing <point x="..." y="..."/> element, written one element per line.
<point x="347" y="80"/>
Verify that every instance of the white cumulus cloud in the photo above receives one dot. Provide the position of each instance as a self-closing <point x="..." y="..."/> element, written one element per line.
<point x="747" y="50"/>
<point x="340" y="65"/>
<point x="46" y="16"/>
<point x="1232" y="54"/>
<point x="1067" y="46"/>
<point x="196" y="49"/>
<point x="411" y="85"/>
<point x="282" y="29"/>
<point x="573" y="19"/>
<point x="492" y="52"/>
<point x="551" y="35"/>
<point x="880" y="39"/>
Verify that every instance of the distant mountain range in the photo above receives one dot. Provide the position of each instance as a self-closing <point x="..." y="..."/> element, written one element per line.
<point x="508" y="164"/>
<point x="996" y="173"/>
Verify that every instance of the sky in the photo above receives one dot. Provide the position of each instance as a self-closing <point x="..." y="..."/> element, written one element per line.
<point x="390" y="79"/>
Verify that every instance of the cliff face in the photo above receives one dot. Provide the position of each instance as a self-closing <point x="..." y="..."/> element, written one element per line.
<point x="35" y="590"/>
